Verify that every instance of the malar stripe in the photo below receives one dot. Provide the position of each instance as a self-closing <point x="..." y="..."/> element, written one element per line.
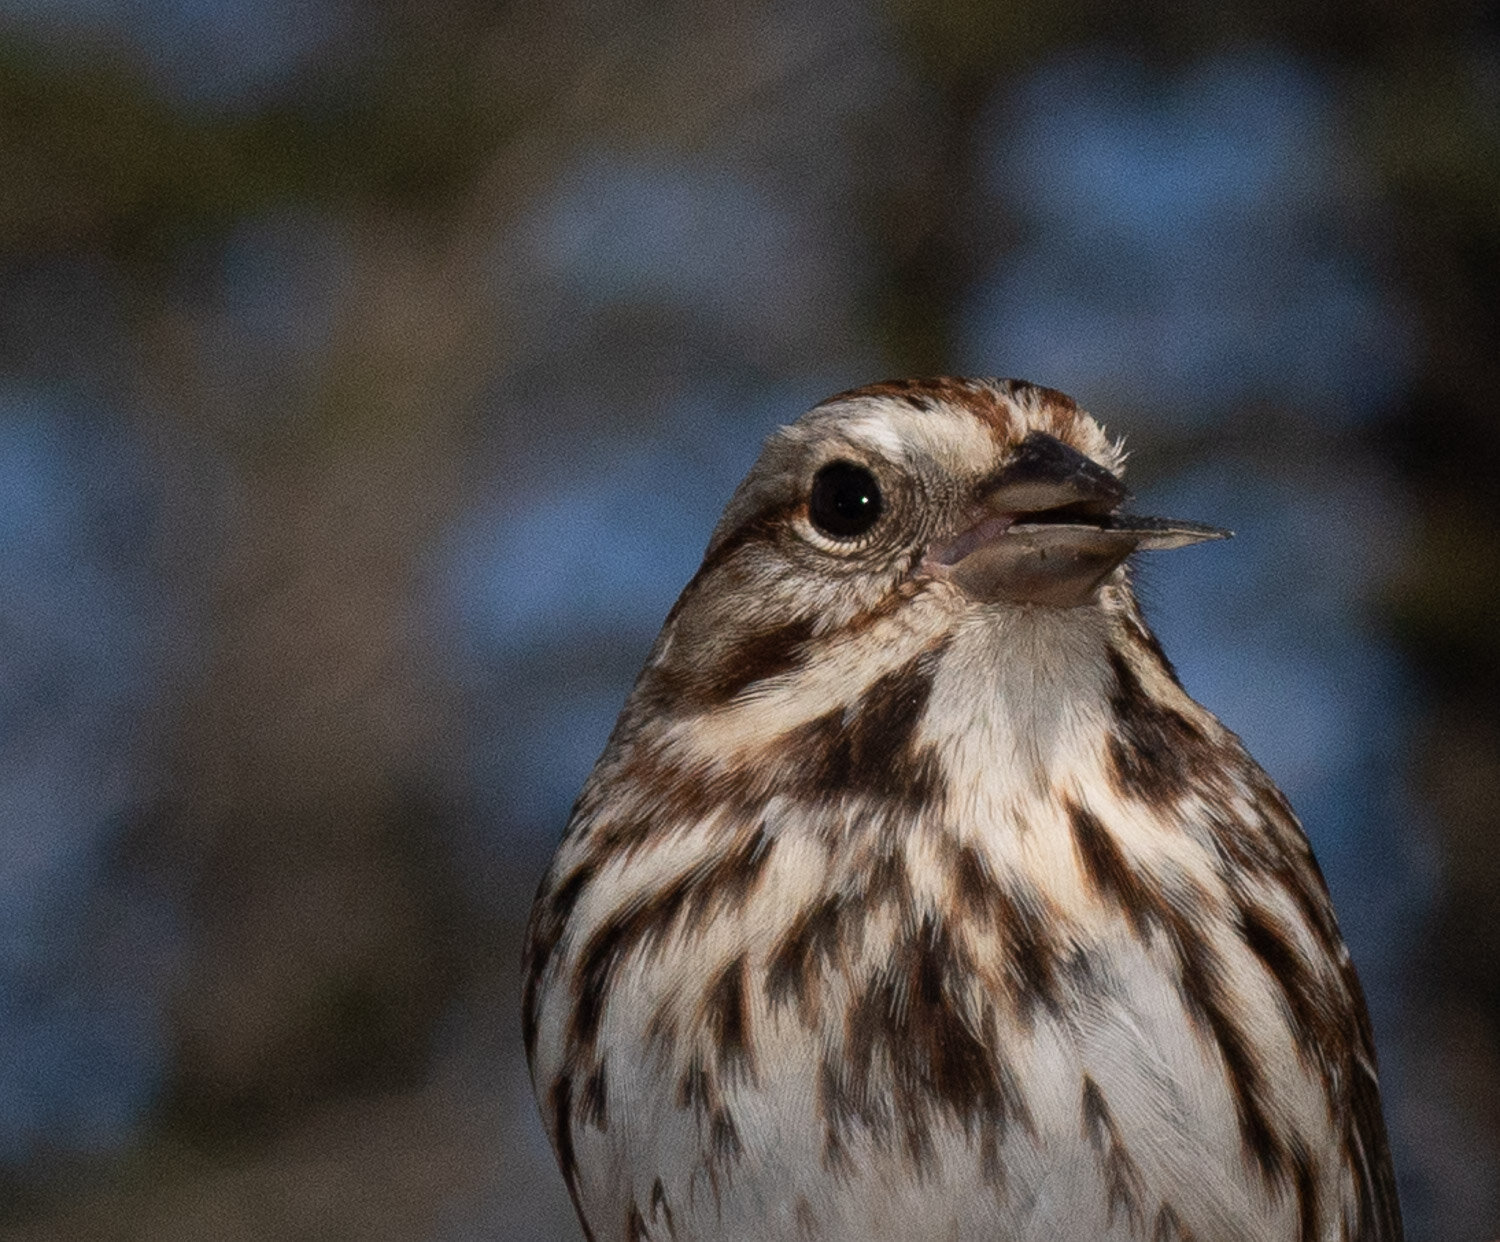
<point x="868" y="747"/>
<point x="754" y="658"/>
<point x="1156" y="754"/>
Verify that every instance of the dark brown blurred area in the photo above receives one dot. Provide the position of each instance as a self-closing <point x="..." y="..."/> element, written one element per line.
<point x="310" y="302"/>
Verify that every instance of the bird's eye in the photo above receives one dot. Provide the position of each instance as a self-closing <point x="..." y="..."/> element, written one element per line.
<point x="845" y="500"/>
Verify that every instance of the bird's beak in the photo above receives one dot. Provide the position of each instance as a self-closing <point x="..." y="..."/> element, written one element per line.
<point x="1046" y="529"/>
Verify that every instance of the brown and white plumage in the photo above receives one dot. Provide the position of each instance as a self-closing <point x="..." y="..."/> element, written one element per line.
<point x="913" y="898"/>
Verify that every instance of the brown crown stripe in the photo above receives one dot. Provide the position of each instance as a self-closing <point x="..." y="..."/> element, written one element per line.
<point x="979" y="398"/>
<point x="1156" y="754"/>
<point x="1126" y="1187"/>
<point x="706" y="890"/>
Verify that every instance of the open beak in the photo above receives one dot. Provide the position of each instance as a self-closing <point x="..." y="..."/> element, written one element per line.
<point x="1046" y="529"/>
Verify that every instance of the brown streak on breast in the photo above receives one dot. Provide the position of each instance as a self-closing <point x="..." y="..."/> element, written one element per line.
<point x="660" y="1207"/>
<point x="1201" y="983"/>
<point x="593" y="1100"/>
<point x="1212" y="1008"/>
<point x="804" y="952"/>
<point x="1316" y="1021"/>
<point x="728" y="1021"/>
<point x="1305" y="1191"/>
<point x="1106" y="870"/>
<point x="1126" y="1187"/>
<point x="703" y="891"/>
<point x="1031" y="950"/>
<point x="912" y="1053"/>
<point x="548" y="923"/>
<point x="561" y="1099"/>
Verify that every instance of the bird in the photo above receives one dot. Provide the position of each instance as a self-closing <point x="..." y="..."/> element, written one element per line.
<point x="913" y="897"/>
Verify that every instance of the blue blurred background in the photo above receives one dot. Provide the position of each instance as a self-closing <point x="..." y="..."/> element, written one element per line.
<point x="372" y="374"/>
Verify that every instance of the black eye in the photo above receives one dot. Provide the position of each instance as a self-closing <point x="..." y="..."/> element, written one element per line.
<point x="845" y="500"/>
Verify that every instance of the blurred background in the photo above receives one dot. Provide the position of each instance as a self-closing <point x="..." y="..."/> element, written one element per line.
<point x="371" y="375"/>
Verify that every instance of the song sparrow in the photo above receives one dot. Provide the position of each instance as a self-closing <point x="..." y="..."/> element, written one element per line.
<point x="913" y="898"/>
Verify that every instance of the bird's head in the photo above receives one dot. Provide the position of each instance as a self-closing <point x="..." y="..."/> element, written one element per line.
<point x="1006" y="491"/>
<point x="980" y="494"/>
